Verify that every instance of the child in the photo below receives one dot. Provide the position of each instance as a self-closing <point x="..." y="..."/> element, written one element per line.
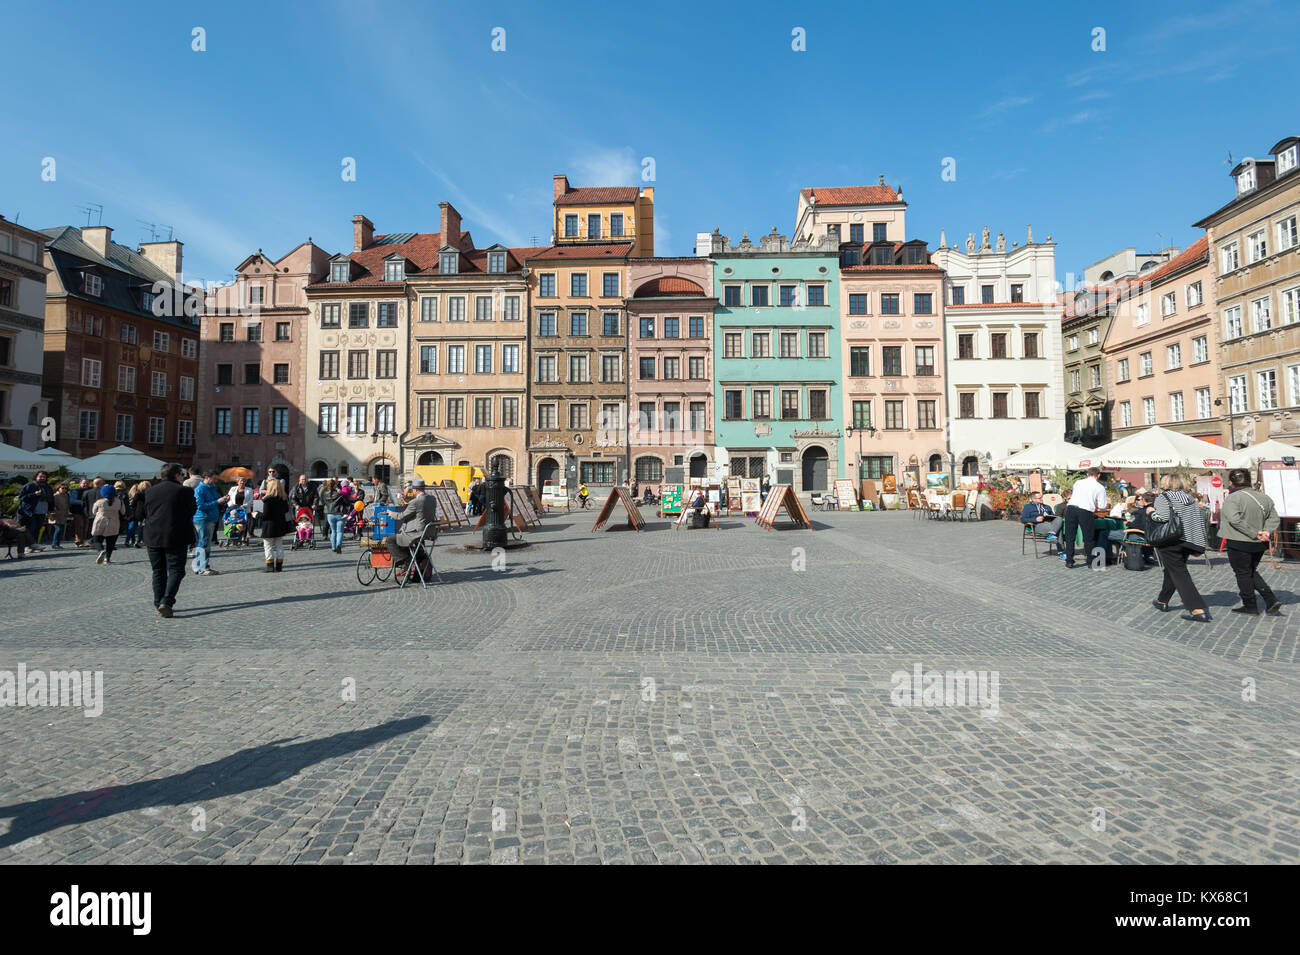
<point x="304" y="527"/>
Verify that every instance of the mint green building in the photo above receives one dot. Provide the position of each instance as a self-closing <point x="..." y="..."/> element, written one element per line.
<point x="776" y="360"/>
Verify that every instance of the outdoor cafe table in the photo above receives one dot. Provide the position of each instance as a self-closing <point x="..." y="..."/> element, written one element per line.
<point x="944" y="502"/>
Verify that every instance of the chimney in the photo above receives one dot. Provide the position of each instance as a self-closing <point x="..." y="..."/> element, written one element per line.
<point x="165" y="255"/>
<point x="363" y="233"/>
<point x="97" y="237"/>
<point x="449" y="224"/>
<point x="561" y="185"/>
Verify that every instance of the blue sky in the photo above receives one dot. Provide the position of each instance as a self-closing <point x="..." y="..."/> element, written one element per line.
<point x="240" y="147"/>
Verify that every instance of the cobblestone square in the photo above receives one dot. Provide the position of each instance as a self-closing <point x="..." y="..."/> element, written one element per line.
<point x="728" y="696"/>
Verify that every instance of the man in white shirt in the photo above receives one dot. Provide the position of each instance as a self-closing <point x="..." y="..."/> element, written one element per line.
<point x="1087" y="498"/>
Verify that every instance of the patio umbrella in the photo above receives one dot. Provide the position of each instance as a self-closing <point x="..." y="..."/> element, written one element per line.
<point x="54" y="458"/>
<point x="1057" y="453"/>
<point x="1270" y="450"/>
<point x="235" y="473"/>
<point x="1156" y="447"/>
<point x="119" y="462"/>
<point x="17" y="461"/>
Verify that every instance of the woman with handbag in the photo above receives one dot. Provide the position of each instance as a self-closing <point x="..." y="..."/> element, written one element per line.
<point x="1178" y="532"/>
<point x="1247" y="520"/>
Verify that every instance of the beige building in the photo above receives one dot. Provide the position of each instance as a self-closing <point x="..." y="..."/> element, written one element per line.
<point x="1162" y="350"/>
<point x="357" y="353"/>
<point x="469" y="355"/>
<point x="1255" y="256"/>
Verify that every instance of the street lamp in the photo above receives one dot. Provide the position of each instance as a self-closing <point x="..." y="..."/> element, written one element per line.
<point x="848" y="433"/>
<point x="1232" y="428"/>
<point x="382" y="436"/>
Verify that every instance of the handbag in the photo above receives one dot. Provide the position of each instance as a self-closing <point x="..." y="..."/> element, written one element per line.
<point x="1167" y="533"/>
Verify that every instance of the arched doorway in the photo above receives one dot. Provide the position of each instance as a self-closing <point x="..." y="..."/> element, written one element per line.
<point x="548" y="469"/>
<point x="381" y="471"/>
<point x="970" y="466"/>
<point x="429" y="458"/>
<point x="814" y="469"/>
<point x="936" y="463"/>
<point x="699" y="465"/>
<point x="320" y="469"/>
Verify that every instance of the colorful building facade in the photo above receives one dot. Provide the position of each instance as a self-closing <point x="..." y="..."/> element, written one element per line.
<point x="777" y="359"/>
<point x="670" y="366"/>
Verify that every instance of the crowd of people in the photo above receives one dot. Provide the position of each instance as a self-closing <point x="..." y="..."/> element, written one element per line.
<point x="1166" y="527"/>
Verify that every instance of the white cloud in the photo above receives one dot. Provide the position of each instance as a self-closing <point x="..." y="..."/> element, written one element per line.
<point x="1004" y="104"/>
<point x="608" y="166"/>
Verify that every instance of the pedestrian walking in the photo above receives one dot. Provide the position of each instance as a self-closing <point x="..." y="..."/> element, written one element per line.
<point x="35" y="501"/>
<point x="1246" y="522"/>
<point x="59" y="517"/>
<point x="207" y="513"/>
<point x="336" y="506"/>
<point x="169" y="528"/>
<point x="1087" y="498"/>
<point x="108" y="514"/>
<point x="275" y="524"/>
<point x="135" y="515"/>
<point x="1174" y="506"/>
<point x="303" y="494"/>
<point x="77" y="509"/>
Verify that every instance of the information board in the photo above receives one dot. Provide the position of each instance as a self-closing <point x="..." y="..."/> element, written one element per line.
<point x="1282" y="484"/>
<point x="670" y="499"/>
<point x="845" y="498"/>
<point x="751" y="496"/>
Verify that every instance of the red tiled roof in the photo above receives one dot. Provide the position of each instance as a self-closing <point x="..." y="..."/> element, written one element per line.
<point x="421" y="250"/>
<point x="853" y="195"/>
<point x="585" y="251"/>
<point x="597" y="194"/>
<point x="668" y="285"/>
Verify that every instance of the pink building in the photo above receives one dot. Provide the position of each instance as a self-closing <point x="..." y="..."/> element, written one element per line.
<point x="670" y="366"/>
<point x="253" y="364"/>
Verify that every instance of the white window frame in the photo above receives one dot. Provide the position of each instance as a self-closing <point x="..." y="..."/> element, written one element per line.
<point x="1200" y="349"/>
<point x="428" y="308"/>
<point x="124" y="435"/>
<point x="162" y="341"/>
<point x="185" y="432"/>
<point x="1287" y="235"/>
<point x="1149" y="411"/>
<point x="456" y="308"/>
<point x="91" y="372"/>
<point x="186" y="390"/>
<point x="1293" y="385"/>
<point x="510" y="354"/>
<point x="93" y="285"/>
<point x="1168" y="304"/>
<point x="1173" y="356"/>
<point x="394" y="271"/>
<point x="126" y="379"/>
<point x="1238" y="395"/>
<point x="1125" y="414"/>
<point x="1261" y="314"/>
<point x="158" y="384"/>
<point x="1146" y="364"/>
<point x="1204" y="403"/>
<point x="157" y="433"/>
<point x="1230" y="257"/>
<point x="1177" y="409"/>
<point x="1121" y="370"/>
<point x="1232" y="324"/>
<point x="1267" y="397"/>
<point x="455" y="359"/>
<point x="1257" y="246"/>
<point x="1195" y="295"/>
<point x="1143" y="314"/>
<point x="1290" y="306"/>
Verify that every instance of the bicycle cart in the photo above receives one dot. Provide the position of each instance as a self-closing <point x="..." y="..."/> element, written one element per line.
<point x="375" y="562"/>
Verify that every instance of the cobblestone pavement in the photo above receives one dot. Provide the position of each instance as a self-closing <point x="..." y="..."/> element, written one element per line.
<point x="664" y="696"/>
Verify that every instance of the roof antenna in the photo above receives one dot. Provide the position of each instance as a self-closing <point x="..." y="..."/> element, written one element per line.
<point x="95" y="210"/>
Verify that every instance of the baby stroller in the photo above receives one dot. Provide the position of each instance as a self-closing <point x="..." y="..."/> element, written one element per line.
<point x="305" y="532"/>
<point x="235" y="527"/>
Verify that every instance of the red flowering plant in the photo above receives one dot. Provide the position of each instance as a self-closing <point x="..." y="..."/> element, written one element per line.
<point x="1004" y="496"/>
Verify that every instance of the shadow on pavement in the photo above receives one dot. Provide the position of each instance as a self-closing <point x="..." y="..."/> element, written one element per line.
<point x="244" y="771"/>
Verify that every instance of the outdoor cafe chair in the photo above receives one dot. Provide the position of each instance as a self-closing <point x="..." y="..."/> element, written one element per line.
<point x="958" y="505"/>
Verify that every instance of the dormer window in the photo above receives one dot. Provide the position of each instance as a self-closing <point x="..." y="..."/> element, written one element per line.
<point x="146" y="301"/>
<point x="1246" y="180"/>
<point x="496" y="262"/>
<point x="447" y="263"/>
<point x="394" y="270"/>
<point x="339" y="272"/>
<point x="93" y="285"/>
<point x="1287" y="159"/>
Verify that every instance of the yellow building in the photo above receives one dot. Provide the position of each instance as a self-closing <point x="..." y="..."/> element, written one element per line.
<point x="604" y="214"/>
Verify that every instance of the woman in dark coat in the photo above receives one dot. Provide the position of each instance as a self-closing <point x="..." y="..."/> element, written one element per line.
<point x="275" y="524"/>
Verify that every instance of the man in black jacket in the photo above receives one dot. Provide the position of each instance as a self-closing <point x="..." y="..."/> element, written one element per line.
<point x="169" y="508"/>
<point x="303" y="495"/>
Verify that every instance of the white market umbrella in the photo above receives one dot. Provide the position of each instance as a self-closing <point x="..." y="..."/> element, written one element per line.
<point x="1270" y="450"/>
<point x="119" y="462"/>
<point x="54" y="458"/>
<point x="1057" y="453"/>
<point x="1156" y="447"/>
<point x="17" y="461"/>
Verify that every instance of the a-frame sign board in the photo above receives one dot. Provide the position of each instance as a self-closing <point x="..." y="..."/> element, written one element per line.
<point x="523" y="503"/>
<point x="451" y="512"/>
<point x="782" y="495"/>
<point x="620" y="495"/>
